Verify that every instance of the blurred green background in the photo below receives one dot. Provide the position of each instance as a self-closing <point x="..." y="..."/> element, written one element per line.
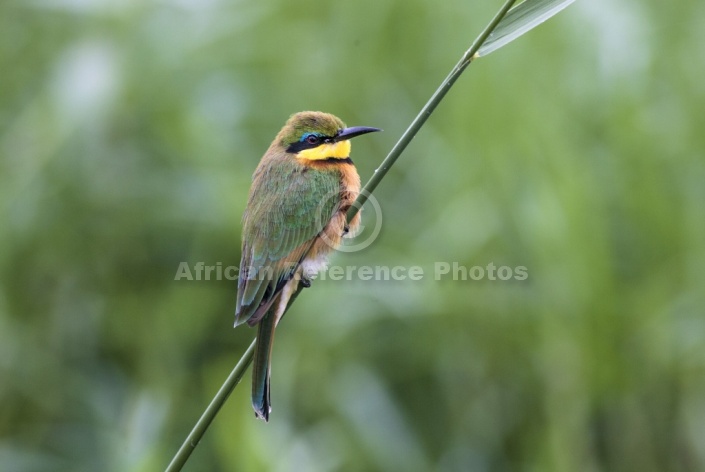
<point x="128" y="134"/>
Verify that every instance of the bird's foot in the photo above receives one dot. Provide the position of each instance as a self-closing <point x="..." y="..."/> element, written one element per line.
<point x="305" y="281"/>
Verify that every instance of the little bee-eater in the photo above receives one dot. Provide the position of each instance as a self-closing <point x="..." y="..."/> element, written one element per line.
<point x="295" y="216"/>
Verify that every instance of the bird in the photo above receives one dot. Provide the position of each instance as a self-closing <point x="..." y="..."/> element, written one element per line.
<point x="295" y="217"/>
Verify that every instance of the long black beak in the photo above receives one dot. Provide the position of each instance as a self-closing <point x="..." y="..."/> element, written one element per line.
<point x="348" y="133"/>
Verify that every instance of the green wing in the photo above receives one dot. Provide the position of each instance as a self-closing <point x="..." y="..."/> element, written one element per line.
<point x="289" y="205"/>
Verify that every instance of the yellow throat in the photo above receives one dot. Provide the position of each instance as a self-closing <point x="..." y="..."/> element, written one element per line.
<point x="339" y="150"/>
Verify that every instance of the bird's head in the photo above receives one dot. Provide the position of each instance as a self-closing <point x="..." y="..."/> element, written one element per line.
<point x="314" y="136"/>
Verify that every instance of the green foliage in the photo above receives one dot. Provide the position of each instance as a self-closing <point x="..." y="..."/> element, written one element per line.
<point x="128" y="135"/>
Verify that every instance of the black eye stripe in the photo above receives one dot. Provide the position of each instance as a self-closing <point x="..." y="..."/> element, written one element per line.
<point x="304" y="142"/>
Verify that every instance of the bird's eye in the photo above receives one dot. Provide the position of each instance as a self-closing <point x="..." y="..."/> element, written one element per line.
<point x="312" y="139"/>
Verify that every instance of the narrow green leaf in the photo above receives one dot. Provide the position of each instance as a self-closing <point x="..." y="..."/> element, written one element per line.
<point x="520" y="19"/>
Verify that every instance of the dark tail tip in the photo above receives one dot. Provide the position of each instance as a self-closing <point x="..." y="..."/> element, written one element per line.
<point x="262" y="406"/>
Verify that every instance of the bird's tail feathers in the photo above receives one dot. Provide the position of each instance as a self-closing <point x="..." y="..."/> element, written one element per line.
<point x="261" y="367"/>
<point x="263" y="352"/>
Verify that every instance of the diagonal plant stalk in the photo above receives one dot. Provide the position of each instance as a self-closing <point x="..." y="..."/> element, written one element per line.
<point x="207" y="417"/>
<point x="508" y="24"/>
<point x="426" y="111"/>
